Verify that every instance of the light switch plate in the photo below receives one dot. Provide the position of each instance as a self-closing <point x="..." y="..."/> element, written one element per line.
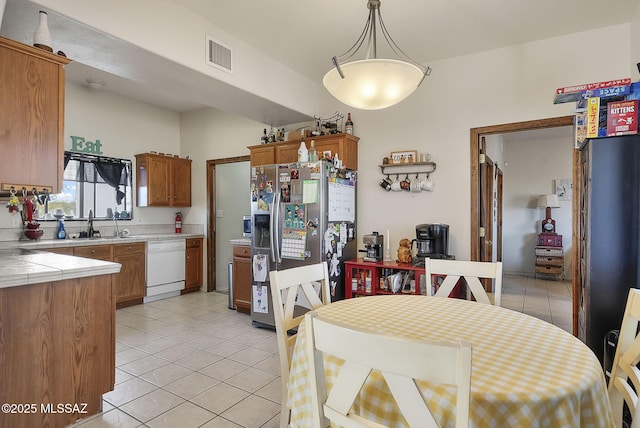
<point x="219" y="213"/>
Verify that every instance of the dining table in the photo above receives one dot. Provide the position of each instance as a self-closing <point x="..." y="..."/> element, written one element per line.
<point x="525" y="372"/>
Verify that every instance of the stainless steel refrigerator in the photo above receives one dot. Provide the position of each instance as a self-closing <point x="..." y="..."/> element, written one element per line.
<point x="301" y="213"/>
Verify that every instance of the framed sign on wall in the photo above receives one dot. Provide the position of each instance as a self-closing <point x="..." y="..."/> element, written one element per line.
<point x="563" y="187"/>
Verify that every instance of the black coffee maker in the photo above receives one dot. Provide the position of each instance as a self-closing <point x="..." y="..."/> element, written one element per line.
<point x="432" y="240"/>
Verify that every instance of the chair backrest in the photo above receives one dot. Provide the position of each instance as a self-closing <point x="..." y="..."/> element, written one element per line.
<point x="400" y="361"/>
<point x="624" y="370"/>
<point x="307" y="285"/>
<point x="471" y="272"/>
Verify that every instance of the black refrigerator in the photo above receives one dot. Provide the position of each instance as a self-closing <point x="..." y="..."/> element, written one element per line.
<point x="609" y="201"/>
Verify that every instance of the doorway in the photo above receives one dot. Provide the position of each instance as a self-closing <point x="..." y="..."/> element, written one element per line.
<point x="480" y="241"/>
<point x="211" y="215"/>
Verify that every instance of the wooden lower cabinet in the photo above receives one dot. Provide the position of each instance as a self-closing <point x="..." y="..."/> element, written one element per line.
<point x="60" y="250"/>
<point x="242" y="278"/>
<point x="131" y="282"/>
<point x="97" y="252"/>
<point x="193" y="265"/>
<point x="58" y="346"/>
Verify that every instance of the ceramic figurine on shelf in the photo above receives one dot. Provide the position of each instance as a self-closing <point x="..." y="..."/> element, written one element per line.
<point x="404" y="251"/>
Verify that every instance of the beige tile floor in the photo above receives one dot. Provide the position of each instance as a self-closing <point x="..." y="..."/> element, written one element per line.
<point x="189" y="361"/>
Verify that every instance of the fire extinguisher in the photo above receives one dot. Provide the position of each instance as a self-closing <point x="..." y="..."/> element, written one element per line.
<point x="178" y="222"/>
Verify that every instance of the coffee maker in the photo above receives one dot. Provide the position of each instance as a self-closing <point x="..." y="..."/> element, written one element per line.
<point x="432" y="240"/>
<point x="373" y="247"/>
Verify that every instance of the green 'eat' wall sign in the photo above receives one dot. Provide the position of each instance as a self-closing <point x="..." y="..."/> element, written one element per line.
<point x="79" y="144"/>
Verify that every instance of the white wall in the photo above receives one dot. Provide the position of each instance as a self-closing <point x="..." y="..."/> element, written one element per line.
<point x="532" y="166"/>
<point x="634" y="52"/>
<point x="499" y="86"/>
<point x="124" y="127"/>
<point x="170" y="31"/>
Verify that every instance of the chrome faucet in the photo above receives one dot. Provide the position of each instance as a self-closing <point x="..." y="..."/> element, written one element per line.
<point x="90" y="225"/>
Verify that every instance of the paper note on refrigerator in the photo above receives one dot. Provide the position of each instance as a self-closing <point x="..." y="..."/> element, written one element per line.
<point x="260" y="299"/>
<point x="260" y="267"/>
<point x="310" y="191"/>
<point x="342" y="202"/>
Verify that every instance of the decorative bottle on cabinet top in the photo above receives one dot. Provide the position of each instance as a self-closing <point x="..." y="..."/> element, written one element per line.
<point x="303" y="153"/>
<point x="313" y="154"/>
<point x="42" y="36"/>
<point x="348" y="126"/>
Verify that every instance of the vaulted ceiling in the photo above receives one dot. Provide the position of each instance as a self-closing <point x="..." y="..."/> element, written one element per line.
<point x="304" y="35"/>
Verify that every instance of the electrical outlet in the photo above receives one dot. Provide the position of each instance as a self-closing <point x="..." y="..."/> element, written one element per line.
<point x="219" y="213"/>
<point x="16" y="221"/>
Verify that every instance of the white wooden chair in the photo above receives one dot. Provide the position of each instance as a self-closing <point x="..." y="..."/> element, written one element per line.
<point x="471" y="272"/>
<point x="293" y="289"/>
<point x="401" y="363"/>
<point x="625" y="370"/>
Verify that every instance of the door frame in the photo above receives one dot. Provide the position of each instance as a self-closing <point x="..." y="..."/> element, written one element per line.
<point x="211" y="216"/>
<point x="475" y="141"/>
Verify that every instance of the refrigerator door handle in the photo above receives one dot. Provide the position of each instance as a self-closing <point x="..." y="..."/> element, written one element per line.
<point x="271" y="231"/>
<point x="276" y="238"/>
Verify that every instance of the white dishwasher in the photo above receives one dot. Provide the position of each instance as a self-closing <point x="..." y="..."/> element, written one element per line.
<point x="165" y="268"/>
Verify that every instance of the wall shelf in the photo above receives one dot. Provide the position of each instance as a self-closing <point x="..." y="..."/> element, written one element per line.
<point x="408" y="168"/>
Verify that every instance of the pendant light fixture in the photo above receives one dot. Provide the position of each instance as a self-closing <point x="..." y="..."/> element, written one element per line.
<point x="373" y="83"/>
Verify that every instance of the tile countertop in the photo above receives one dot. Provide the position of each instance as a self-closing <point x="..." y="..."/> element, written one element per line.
<point x="25" y="267"/>
<point x="241" y="241"/>
<point x="22" y="262"/>
<point x="57" y="243"/>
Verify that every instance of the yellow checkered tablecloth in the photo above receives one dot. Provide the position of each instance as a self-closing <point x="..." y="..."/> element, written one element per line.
<point x="525" y="372"/>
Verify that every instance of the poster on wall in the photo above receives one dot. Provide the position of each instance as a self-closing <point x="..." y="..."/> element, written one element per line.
<point x="563" y="188"/>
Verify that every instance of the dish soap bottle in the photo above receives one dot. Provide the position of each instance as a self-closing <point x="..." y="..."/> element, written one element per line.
<point x="62" y="234"/>
<point x="303" y="153"/>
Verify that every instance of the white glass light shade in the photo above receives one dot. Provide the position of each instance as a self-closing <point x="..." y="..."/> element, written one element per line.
<point x="372" y="84"/>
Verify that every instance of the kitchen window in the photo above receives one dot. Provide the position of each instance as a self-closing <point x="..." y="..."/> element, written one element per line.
<point x="98" y="183"/>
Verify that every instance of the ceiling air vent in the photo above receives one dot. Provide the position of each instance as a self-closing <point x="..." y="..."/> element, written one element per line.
<point x="218" y="55"/>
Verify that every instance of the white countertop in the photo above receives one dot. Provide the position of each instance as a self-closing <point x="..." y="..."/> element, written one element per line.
<point x="57" y="243"/>
<point x="33" y="266"/>
<point x="240" y="241"/>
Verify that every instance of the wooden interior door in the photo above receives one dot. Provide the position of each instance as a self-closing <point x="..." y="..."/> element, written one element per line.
<point x="486" y="214"/>
<point x="498" y="243"/>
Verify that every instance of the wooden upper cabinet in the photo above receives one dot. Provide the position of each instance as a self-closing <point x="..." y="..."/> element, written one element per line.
<point x="162" y="181"/>
<point x="345" y="145"/>
<point x="181" y="180"/>
<point x="287" y="152"/>
<point x="264" y="154"/>
<point x="31" y="117"/>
